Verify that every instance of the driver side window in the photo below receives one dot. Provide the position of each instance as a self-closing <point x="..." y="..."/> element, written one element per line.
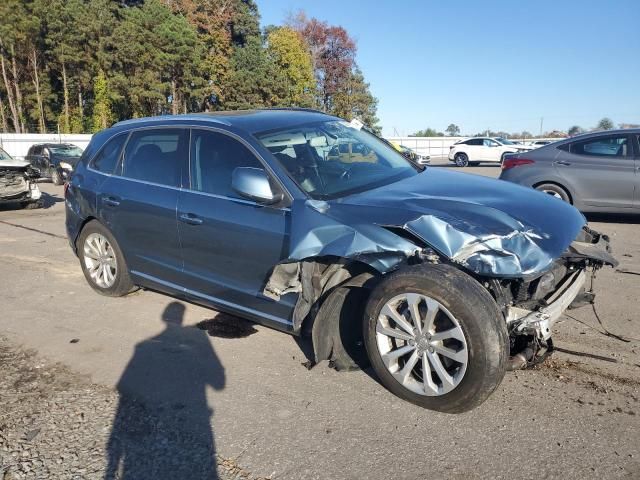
<point x="214" y="157"/>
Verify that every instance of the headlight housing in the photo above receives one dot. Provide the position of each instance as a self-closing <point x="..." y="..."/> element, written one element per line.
<point x="66" y="166"/>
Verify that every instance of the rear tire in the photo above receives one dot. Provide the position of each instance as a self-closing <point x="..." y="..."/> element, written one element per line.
<point x="463" y="339"/>
<point x="461" y="159"/>
<point x="555" y="191"/>
<point x="102" y="261"/>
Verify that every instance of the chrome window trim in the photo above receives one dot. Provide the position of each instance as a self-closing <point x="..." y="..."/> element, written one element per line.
<point x="186" y="190"/>
<point x="192" y="127"/>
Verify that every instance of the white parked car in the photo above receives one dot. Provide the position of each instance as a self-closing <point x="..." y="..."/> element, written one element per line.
<point x="483" y="149"/>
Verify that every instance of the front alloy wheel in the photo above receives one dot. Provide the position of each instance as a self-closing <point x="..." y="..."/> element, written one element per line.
<point x="436" y="337"/>
<point x="422" y="344"/>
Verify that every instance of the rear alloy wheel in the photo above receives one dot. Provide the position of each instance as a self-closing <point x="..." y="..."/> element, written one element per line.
<point x="102" y="261"/>
<point x="436" y="338"/>
<point x="555" y="191"/>
<point x="461" y="159"/>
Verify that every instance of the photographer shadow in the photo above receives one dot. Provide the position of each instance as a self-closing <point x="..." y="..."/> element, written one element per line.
<point x="163" y="424"/>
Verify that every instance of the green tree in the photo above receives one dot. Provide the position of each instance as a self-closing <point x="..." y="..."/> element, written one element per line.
<point x="354" y="100"/>
<point x="156" y="55"/>
<point x="291" y="56"/>
<point x="575" y="130"/>
<point x="428" y="132"/>
<point x="255" y="81"/>
<point x="605" y="124"/>
<point x="102" y="113"/>
<point x="453" y="130"/>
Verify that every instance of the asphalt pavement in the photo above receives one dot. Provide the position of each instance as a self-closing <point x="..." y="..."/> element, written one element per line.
<point x="245" y="388"/>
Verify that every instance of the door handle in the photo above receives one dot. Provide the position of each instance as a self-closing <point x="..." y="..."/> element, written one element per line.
<point x="190" y="218"/>
<point x="563" y="163"/>
<point x="111" y="201"/>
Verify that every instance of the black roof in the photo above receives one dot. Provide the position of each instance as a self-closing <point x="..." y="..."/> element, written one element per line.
<point x="251" y="121"/>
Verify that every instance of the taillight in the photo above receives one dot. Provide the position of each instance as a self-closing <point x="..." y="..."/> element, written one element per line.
<point x="515" y="162"/>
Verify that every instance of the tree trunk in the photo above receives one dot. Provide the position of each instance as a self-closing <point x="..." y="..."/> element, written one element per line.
<point x="80" y="107"/>
<point x="12" y="106"/>
<point x="3" y="119"/>
<point x="16" y="85"/>
<point x="36" y="84"/>
<point x="174" y="98"/>
<point x="67" y="120"/>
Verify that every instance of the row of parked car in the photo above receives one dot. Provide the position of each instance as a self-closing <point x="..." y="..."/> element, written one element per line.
<point x="18" y="179"/>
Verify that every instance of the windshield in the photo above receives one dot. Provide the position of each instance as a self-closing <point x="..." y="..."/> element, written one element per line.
<point x="333" y="159"/>
<point x="66" y="150"/>
<point x="4" y="156"/>
<point x="504" y="141"/>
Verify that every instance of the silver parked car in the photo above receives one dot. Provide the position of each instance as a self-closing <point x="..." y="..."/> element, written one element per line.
<point x="596" y="172"/>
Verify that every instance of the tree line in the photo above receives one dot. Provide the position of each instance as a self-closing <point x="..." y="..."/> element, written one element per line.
<point x="453" y="130"/>
<point x="78" y="66"/>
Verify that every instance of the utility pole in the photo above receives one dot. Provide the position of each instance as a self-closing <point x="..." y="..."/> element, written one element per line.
<point x="541" y="122"/>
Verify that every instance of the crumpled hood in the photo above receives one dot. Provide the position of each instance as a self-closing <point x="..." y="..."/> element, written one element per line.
<point x="490" y="227"/>
<point x="13" y="164"/>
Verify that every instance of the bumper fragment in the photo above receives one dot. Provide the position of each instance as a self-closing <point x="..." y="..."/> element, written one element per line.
<point x="540" y="322"/>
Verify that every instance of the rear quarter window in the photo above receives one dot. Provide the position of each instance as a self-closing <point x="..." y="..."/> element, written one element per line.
<point x="107" y="158"/>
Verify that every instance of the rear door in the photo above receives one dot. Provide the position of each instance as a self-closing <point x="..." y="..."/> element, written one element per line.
<point x="475" y="149"/>
<point x="600" y="170"/>
<point x="229" y="243"/>
<point x="491" y="150"/>
<point x="138" y="203"/>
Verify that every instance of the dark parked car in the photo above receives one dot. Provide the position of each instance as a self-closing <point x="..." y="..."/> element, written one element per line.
<point x="18" y="182"/>
<point x="54" y="160"/>
<point x="248" y="213"/>
<point x="596" y="172"/>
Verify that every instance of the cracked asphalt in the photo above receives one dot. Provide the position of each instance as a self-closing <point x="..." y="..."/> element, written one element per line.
<point x="150" y="387"/>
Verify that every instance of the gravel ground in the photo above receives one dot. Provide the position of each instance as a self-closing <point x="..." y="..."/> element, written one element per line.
<point x="56" y="424"/>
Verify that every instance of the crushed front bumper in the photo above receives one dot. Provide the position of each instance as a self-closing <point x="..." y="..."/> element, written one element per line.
<point x="540" y="322"/>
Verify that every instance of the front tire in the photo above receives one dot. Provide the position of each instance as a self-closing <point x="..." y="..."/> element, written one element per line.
<point x="461" y="159"/>
<point x="102" y="261"/>
<point x="436" y="318"/>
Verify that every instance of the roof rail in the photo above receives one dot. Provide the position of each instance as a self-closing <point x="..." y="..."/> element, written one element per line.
<point x="210" y="116"/>
<point x="299" y="109"/>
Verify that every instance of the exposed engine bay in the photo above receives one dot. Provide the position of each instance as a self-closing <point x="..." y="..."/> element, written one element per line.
<point x="17" y="183"/>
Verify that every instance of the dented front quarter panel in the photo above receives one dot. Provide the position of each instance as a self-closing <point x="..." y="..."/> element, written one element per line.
<point x="489" y="227"/>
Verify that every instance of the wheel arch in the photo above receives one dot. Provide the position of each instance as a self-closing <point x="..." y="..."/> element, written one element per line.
<point x="557" y="184"/>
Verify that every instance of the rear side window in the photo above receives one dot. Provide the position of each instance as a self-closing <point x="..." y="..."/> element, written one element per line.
<point x="214" y="157"/>
<point x="611" y="146"/>
<point x="156" y="155"/>
<point x="107" y="159"/>
<point x="474" y="141"/>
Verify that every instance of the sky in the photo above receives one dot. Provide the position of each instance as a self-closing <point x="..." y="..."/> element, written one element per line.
<point x="500" y="65"/>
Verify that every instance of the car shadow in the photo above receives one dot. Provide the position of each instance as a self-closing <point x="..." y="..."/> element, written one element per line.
<point x="162" y="426"/>
<point x="46" y="201"/>
<point x="628" y="218"/>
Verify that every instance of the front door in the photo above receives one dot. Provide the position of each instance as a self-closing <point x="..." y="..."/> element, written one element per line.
<point x="138" y="203"/>
<point x="601" y="170"/>
<point x="229" y="243"/>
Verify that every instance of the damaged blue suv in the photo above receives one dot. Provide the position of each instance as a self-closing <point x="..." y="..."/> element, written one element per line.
<point x="312" y="225"/>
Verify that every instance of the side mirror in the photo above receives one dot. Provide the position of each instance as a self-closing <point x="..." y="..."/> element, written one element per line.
<point x="254" y="183"/>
